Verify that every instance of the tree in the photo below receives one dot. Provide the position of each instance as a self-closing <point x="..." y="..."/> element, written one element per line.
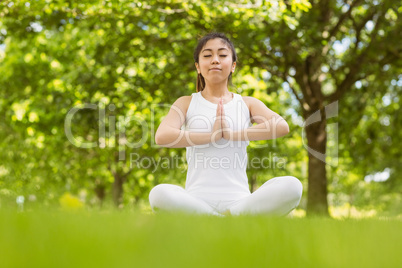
<point x="128" y="56"/>
<point x="321" y="54"/>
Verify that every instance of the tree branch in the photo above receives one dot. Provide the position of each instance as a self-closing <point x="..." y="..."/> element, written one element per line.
<point x="301" y="101"/>
<point x="324" y="11"/>
<point x="361" y="59"/>
<point x="359" y="28"/>
<point x="312" y="71"/>
<point x="345" y="16"/>
<point x="307" y="93"/>
<point x="281" y="75"/>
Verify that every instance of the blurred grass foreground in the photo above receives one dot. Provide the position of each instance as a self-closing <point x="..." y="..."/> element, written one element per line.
<point x="56" y="238"/>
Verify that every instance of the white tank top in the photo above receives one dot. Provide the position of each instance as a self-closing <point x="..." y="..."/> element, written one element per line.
<point x="217" y="171"/>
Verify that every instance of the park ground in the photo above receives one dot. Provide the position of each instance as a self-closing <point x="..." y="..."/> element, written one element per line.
<point x="111" y="238"/>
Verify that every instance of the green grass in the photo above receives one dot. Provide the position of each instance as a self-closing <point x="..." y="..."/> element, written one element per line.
<point x="132" y="239"/>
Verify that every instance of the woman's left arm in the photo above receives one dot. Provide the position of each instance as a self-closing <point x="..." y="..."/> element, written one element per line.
<point x="269" y="125"/>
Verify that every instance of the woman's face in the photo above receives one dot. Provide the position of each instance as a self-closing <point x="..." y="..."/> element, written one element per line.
<point x="215" y="61"/>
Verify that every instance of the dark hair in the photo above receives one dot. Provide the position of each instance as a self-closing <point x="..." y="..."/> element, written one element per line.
<point x="201" y="43"/>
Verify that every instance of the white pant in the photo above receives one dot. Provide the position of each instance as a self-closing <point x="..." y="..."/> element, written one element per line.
<point x="277" y="196"/>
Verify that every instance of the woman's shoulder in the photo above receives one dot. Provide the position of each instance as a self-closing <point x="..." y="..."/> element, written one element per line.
<point x="183" y="102"/>
<point x="249" y="100"/>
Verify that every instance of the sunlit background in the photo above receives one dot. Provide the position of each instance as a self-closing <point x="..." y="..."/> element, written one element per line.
<point x="133" y="59"/>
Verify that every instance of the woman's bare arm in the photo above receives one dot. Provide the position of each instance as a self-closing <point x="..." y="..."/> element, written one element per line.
<point x="170" y="134"/>
<point x="269" y="125"/>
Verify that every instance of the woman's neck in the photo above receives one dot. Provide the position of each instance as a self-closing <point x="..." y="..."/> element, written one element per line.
<point x="216" y="92"/>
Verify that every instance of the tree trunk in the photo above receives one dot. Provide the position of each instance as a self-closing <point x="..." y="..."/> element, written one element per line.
<point x="100" y="191"/>
<point x="253" y="183"/>
<point x="118" y="189"/>
<point x="317" y="203"/>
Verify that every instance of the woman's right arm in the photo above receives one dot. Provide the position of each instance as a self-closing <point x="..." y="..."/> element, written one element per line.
<point x="170" y="134"/>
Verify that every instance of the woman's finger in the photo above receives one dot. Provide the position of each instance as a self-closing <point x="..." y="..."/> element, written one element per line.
<point x="222" y="110"/>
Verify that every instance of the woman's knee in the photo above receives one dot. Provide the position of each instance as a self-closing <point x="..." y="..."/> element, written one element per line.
<point x="161" y="193"/>
<point x="157" y="194"/>
<point x="292" y="192"/>
<point x="293" y="186"/>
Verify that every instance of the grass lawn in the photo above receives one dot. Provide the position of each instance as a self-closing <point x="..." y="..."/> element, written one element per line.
<point x="133" y="239"/>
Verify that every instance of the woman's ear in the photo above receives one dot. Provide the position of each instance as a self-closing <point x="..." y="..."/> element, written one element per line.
<point x="198" y="68"/>
<point x="233" y="66"/>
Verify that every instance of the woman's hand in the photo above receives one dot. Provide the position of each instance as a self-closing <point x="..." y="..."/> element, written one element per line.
<point x="226" y="131"/>
<point x="221" y="127"/>
<point x="217" y="130"/>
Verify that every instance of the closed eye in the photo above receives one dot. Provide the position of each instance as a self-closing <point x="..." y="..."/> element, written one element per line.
<point x="207" y="56"/>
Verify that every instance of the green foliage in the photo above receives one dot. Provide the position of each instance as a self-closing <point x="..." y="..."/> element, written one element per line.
<point x="133" y="59"/>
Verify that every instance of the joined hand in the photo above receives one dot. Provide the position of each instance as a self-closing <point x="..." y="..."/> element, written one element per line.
<point x="221" y="127"/>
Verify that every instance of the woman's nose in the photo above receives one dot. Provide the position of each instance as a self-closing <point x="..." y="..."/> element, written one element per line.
<point x="215" y="59"/>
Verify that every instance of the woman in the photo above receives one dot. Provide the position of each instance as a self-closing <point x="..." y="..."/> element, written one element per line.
<point x="216" y="125"/>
